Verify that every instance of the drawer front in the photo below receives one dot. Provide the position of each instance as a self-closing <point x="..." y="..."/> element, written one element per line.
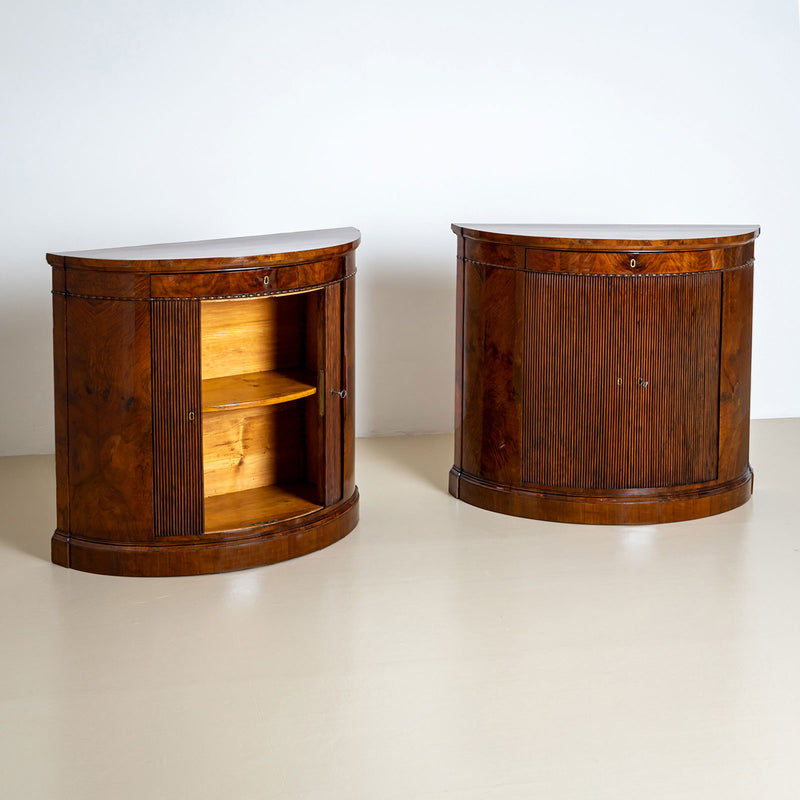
<point x="633" y="263"/>
<point x="248" y="282"/>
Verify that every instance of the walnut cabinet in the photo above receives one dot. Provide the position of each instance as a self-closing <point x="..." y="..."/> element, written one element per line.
<point x="603" y="372"/>
<point x="204" y="402"/>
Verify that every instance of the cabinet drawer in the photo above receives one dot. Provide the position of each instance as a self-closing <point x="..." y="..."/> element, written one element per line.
<point x="235" y="283"/>
<point x="633" y="263"/>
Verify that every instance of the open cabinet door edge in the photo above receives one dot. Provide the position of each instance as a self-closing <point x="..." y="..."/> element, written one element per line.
<point x="331" y="332"/>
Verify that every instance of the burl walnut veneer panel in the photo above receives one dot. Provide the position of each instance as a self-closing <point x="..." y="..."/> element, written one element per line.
<point x="109" y="419"/>
<point x="603" y="372"/>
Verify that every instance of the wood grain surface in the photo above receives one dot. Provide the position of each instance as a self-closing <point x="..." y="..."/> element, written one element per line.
<point x="612" y="237"/>
<point x="255" y="389"/>
<point x="110" y="447"/>
<point x="253" y="447"/>
<point x="216" y="254"/>
<point x="177" y="398"/>
<point x="620" y="385"/>
<point x="177" y="439"/>
<point x="601" y="376"/>
<point x="261" y="504"/>
<point x="252" y="335"/>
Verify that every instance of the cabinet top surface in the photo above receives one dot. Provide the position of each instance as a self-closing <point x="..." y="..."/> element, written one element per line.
<point x="610" y="236"/>
<point x="211" y="253"/>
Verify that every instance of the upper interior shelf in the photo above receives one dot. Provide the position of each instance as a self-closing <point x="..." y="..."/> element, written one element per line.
<point x="255" y="389"/>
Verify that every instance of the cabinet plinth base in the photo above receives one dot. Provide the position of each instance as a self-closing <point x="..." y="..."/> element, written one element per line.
<point x="624" y="507"/>
<point x="202" y="555"/>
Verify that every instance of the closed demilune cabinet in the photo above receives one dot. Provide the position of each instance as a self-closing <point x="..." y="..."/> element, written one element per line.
<point x="603" y="372"/>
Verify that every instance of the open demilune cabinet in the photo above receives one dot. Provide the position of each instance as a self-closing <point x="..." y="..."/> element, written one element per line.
<point x="205" y="415"/>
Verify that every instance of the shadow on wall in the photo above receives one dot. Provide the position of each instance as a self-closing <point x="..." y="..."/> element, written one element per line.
<point x="26" y="364"/>
<point x="405" y="320"/>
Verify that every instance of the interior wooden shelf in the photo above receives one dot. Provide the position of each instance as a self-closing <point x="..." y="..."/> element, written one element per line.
<point x="255" y="389"/>
<point x="225" y="512"/>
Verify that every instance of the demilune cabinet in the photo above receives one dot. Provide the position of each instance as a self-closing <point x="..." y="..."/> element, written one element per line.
<point x="603" y="371"/>
<point x="204" y="402"/>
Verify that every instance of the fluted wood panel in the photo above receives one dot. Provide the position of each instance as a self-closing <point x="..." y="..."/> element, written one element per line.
<point x="620" y="380"/>
<point x="178" y="470"/>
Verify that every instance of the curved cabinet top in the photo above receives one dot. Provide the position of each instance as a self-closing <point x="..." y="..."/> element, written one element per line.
<point x="216" y="254"/>
<point x="612" y="238"/>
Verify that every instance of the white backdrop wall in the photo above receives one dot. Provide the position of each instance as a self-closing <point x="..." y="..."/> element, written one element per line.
<point x="168" y="120"/>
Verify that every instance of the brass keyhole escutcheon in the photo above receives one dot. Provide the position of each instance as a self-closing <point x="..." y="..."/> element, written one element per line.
<point x="191" y="416"/>
<point x="266" y="280"/>
<point x="633" y="263"/>
<point x="619" y="381"/>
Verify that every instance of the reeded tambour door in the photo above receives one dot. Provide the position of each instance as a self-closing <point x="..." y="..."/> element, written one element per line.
<point x="620" y="380"/>
<point x="177" y="440"/>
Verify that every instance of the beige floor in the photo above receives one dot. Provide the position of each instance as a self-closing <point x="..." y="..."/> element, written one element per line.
<point x="439" y="651"/>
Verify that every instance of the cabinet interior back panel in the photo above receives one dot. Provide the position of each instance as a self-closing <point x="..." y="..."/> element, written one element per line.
<point x="252" y="335"/>
<point x="620" y="380"/>
<point x="244" y="449"/>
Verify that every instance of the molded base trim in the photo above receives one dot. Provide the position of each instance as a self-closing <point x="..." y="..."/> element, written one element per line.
<point x="637" y="508"/>
<point x="195" y="557"/>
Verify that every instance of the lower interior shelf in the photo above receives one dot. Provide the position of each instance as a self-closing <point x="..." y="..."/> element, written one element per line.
<point x="224" y="512"/>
